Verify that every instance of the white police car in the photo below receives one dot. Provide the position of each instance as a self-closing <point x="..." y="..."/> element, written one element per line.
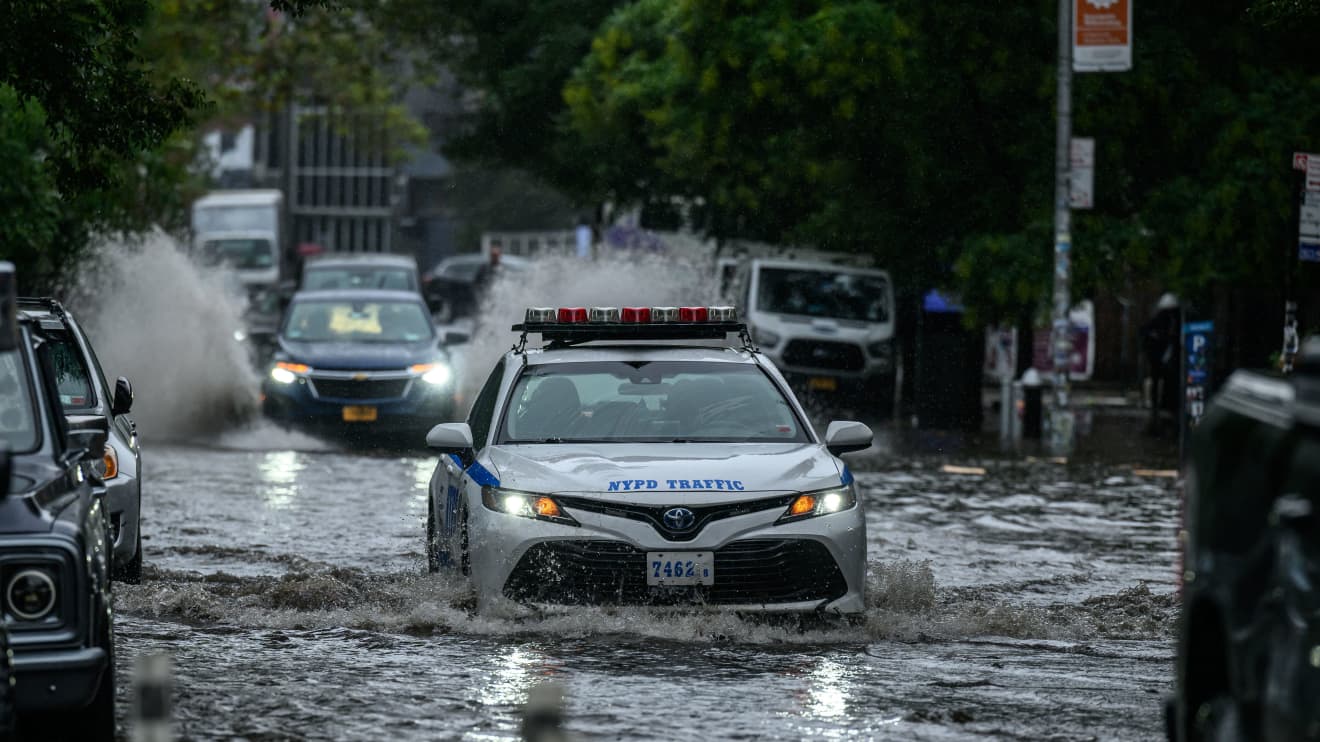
<point x="616" y="466"/>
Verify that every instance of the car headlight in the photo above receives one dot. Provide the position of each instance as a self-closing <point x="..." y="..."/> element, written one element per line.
<point x="436" y="374"/>
<point x="763" y="336"/>
<point x="882" y="349"/>
<point x="820" y="502"/>
<point x="525" y="504"/>
<point x="30" y="594"/>
<point x="284" y="372"/>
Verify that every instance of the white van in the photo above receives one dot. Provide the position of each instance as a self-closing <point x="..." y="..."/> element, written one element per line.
<point x="828" y="327"/>
<point x="241" y="229"/>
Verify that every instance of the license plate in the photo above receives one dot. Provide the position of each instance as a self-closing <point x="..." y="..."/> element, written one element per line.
<point x="680" y="568"/>
<point x="356" y="413"/>
<point x="823" y="383"/>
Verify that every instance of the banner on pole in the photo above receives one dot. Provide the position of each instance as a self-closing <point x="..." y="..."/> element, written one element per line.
<point x="1081" y="190"/>
<point x="1102" y="35"/>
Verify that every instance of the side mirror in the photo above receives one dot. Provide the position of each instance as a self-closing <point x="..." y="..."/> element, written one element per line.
<point x="455" y="438"/>
<point x="88" y="434"/>
<point x="123" y="397"/>
<point x="453" y="337"/>
<point x="847" y="436"/>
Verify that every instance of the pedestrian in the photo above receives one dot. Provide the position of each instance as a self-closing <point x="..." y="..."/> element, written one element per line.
<point x="1159" y="338"/>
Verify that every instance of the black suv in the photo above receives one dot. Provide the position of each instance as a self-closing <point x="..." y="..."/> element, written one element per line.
<point x="1249" y="641"/>
<point x="54" y="542"/>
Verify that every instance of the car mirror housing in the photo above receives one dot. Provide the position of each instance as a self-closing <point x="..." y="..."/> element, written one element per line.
<point x="123" y="397"/>
<point x="88" y="434"/>
<point x="847" y="436"/>
<point x="455" y="438"/>
<point x="454" y="338"/>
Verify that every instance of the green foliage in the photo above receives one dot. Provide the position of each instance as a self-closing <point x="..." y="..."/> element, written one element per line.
<point x="29" y="200"/>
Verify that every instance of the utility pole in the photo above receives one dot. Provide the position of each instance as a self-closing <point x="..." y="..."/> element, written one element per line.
<point x="1061" y="415"/>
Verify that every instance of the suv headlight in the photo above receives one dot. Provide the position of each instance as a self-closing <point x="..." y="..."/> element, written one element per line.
<point x="30" y="594"/>
<point x="284" y="372"/>
<point x="525" y="504"/>
<point x="436" y="374"/>
<point x="820" y="502"/>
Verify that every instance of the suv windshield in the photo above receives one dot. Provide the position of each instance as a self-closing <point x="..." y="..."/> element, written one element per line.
<point x="823" y="293"/>
<point x="322" y="321"/>
<point x="343" y="277"/>
<point x="71" y="375"/>
<point x="18" y="424"/>
<point x="658" y="401"/>
<point x="239" y="253"/>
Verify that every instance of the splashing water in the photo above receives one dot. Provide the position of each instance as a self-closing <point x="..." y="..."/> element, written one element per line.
<point x="620" y="279"/>
<point x="168" y="325"/>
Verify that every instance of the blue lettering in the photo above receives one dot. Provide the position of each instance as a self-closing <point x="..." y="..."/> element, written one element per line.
<point x="614" y="486"/>
<point x="709" y="484"/>
<point x="627" y="484"/>
<point x="719" y="484"/>
<point x="696" y="485"/>
<point x="652" y="484"/>
<point x="673" y="483"/>
<point x="683" y="484"/>
<point x="639" y="483"/>
<point x="737" y="485"/>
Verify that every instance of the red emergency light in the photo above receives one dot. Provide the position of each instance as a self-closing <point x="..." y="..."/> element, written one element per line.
<point x="572" y="315"/>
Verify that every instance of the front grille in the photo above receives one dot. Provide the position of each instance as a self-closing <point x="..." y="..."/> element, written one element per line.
<point x="353" y="389"/>
<point x="654" y="514"/>
<point x="754" y="572"/>
<point x="824" y="354"/>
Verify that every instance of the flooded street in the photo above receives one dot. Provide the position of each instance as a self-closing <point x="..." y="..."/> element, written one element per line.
<point x="287" y="580"/>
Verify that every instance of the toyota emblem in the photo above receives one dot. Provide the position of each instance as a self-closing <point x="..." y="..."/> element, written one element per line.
<point x="679" y="519"/>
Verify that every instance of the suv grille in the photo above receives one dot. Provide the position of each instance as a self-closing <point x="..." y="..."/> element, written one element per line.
<point x="824" y="354"/>
<point x="365" y="389"/>
<point x="755" y="571"/>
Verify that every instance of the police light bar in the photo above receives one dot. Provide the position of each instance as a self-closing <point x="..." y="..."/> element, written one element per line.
<point x="8" y="307"/>
<point x="583" y="324"/>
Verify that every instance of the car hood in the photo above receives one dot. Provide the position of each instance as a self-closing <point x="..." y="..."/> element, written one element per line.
<point x="37" y="498"/>
<point x="359" y="356"/>
<point x="634" y="473"/>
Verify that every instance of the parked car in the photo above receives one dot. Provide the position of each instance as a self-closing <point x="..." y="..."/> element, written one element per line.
<point x="84" y="390"/>
<point x="1248" y="656"/>
<point x="359" y="362"/>
<point x="54" y="542"/>
<point x="453" y="286"/>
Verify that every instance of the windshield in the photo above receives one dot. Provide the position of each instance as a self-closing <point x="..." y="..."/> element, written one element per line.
<point x="358" y="277"/>
<point x="18" y="424"/>
<point x="822" y="293"/>
<point x="658" y="401"/>
<point x="242" y="254"/>
<point x="326" y="321"/>
<point x="71" y="376"/>
<point x="235" y="219"/>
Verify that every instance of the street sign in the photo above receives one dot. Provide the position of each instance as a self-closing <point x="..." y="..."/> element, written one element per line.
<point x="1313" y="174"/>
<point x="1081" y="191"/>
<point x="1102" y="35"/>
<point x="1308" y="252"/>
<point x="1196" y="338"/>
<point x="1308" y="225"/>
<point x="1300" y="159"/>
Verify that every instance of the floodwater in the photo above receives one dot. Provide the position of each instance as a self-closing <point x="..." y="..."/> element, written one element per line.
<point x="286" y="578"/>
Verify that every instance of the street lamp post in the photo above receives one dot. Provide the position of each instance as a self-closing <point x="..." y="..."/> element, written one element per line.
<point x="1061" y="415"/>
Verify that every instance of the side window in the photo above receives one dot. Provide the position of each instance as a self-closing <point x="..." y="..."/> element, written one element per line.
<point x="479" y="419"/>
<point x="71" y="376"/>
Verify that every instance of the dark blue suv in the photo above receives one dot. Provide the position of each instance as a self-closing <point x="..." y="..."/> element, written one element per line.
<point x="359" y="361"/>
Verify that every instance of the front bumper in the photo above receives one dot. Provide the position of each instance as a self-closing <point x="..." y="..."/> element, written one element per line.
<point x="420" y="407"/>
<point x="52" y="680"/>
<point x="814" y="565"/>
<point x="124" y="502"/>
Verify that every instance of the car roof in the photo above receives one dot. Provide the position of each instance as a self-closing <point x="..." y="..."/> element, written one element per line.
<point x="357" y="259"/>
<point x="239" y="197"/>
<point x="358" y="295"/>
<point x="637" y="352"/>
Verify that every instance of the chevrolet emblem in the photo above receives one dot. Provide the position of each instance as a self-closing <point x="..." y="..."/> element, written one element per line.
<point x="359" y="377"/>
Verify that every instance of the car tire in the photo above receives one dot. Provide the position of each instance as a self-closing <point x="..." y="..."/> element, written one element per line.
<point x="131" y="571"/>
<point x="432" y="541"/>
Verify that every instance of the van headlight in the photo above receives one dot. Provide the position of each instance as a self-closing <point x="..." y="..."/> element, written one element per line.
<point x="525" y="504"/>
<point x="820" y="502"/>
<point x="30" y="594"/>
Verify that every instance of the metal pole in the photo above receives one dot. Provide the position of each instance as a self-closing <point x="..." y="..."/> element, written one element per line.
<point x="1061" y="416"/>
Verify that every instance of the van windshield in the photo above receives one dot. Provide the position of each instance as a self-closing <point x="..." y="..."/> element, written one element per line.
<point x="318" y="278"/>
<point x="235" y="219"/>
<point x="243" y="254"/>
<point x="18" y="423"/>
<point x="823" y="293"/>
